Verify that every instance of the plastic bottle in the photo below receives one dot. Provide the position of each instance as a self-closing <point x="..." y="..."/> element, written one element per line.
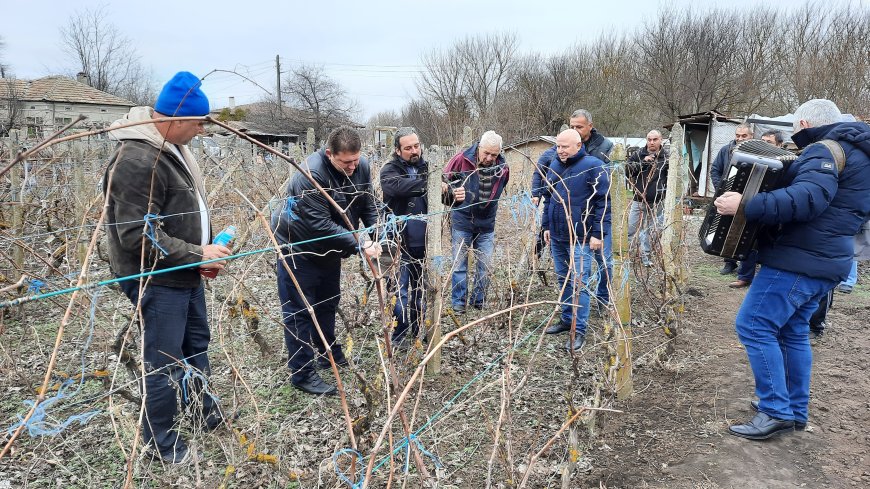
<point x="223" y="238"/>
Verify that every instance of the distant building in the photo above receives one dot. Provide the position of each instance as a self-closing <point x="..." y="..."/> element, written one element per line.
<point x="45" y="105"/>
<point x="521" y="157"/>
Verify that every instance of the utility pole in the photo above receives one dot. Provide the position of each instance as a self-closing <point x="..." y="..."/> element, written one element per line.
<point x="278" y="84"/>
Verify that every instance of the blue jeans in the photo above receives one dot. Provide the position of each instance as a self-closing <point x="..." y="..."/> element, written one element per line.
<point x="321" y="284"/>
<point x="746" y="268"/>
<point x="852" y="279"/>
<point x="575" y="297"/>
<point x="175" y="336"/>
<point x="604" y="260"/>
<point x="409" y="302"/>
<point x="773" y="325"/>
<point x="639" y="221"/>
<point x="483" y="245"/>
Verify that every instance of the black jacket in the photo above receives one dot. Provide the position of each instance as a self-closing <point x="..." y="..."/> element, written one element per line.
<point x="723" y="157"/>
<point x="648" y="180"/>
<point x="405" y="194"/>
<point x="306" y="214"/>
<point x="133" y="169"/>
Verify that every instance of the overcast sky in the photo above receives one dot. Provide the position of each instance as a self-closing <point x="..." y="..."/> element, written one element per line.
<point x="372" y="48"/>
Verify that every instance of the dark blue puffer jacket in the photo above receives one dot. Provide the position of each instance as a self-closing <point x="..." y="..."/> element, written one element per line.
<point x="597" y="146"/>
<point x="817" y="210"/>
<point x="583" y="182"/>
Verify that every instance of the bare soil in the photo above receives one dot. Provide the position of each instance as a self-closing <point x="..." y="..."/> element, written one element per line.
<point x="674" y="429"/>
<point x="672" y="433"/>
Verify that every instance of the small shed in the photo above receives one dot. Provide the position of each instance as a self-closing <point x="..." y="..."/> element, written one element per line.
<point x="259" y="132"/>
<point x="521" y="157"/>
<point x="704" y="134"/>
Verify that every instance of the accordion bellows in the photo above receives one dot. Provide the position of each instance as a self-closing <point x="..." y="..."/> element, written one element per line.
<point x="755" y="166"/>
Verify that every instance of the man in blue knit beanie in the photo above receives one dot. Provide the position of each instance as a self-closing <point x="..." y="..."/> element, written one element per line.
<point x="157" y="219"/>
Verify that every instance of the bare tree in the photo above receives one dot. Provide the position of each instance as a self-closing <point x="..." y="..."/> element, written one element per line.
<point x="824" y="54"/>
<point x="464" y="83"/>
<point x="106" y="56"/>
<point x="322" y="101"/>
<point x="3" y="68"/>
<point x="10" y="103"/>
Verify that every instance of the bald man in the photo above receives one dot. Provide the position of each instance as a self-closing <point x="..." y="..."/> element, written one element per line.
<point x="647" y="175"/>
<point x="576" y="224"/>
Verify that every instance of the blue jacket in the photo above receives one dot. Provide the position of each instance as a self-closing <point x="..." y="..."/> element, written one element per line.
<point x="475" y="214"/>
<point x="597" y="146"/>
<point x="583" y="184"/>
<point x="818" y="211"/>
<point x="723" y="157"/>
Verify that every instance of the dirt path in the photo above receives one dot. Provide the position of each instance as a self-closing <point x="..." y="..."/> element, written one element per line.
<point x="674" y="431"/>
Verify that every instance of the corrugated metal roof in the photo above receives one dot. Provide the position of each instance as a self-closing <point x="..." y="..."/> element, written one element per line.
<point x="57" y="89"/>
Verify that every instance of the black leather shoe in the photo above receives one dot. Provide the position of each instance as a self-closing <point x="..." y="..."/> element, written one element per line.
<point x="728" y="269"/>
<point x="575" y="345"/>
<point x="313" y="384"/>
<point x="798" y="425"/>
<point x="557" y="328"/>
<point x="761" y="427"/>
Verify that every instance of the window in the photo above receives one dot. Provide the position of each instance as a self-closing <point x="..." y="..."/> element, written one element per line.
<point x="103" y="110"/>
<point x="62" y="121"/>
<point x="67" y="108"/>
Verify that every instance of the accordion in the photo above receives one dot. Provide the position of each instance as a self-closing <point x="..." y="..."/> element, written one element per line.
<point x="756" y="166"/>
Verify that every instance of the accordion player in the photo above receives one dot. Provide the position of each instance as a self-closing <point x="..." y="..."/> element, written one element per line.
<point x="756" y="166"/>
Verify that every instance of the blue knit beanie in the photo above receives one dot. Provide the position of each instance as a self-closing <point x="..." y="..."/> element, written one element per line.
<point x="182" y="96"/>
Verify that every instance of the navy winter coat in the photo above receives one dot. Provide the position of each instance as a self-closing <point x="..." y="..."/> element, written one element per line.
<point x="817" y="210"/>
<point x="583" y="183"/>
<point x="597" y="146"/>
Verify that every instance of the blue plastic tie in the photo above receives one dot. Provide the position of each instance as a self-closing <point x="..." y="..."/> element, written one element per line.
<point x="35" y="286"/>
<point x="413" y="437"/>
<point x="151" y="230"/>
<point x="288" y="208"/>
<point x="190" y="374"/>
<point x="37" y="424"/>
<point x="340" y="473"/>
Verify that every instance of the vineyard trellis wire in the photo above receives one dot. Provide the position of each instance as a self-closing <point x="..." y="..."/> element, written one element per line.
<point x="260" y="180"/>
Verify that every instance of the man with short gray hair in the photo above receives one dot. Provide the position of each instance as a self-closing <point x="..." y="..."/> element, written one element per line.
<point x="473" y="183"/>
<point x="823" y="201"/>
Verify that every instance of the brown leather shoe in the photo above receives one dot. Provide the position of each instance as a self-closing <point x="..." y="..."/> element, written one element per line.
<point x="739" y="284"/>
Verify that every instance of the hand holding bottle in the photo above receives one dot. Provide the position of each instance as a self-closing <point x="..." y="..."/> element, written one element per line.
<point x="218" y="249"/>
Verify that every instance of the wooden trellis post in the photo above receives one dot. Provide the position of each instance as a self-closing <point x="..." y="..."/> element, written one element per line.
<point x="435" y="260"/>
<point x="17" y="207"/>
<point x="673" y="246"/>
<point x="310" y="141"/>
<point x="83" y="193"/>
<point x="620" y="202"/>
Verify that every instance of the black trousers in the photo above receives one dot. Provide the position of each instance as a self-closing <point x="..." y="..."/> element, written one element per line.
<point x="817" y="320"/>
<point x="175" y="337"/>
<point x="320" y="283"/>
